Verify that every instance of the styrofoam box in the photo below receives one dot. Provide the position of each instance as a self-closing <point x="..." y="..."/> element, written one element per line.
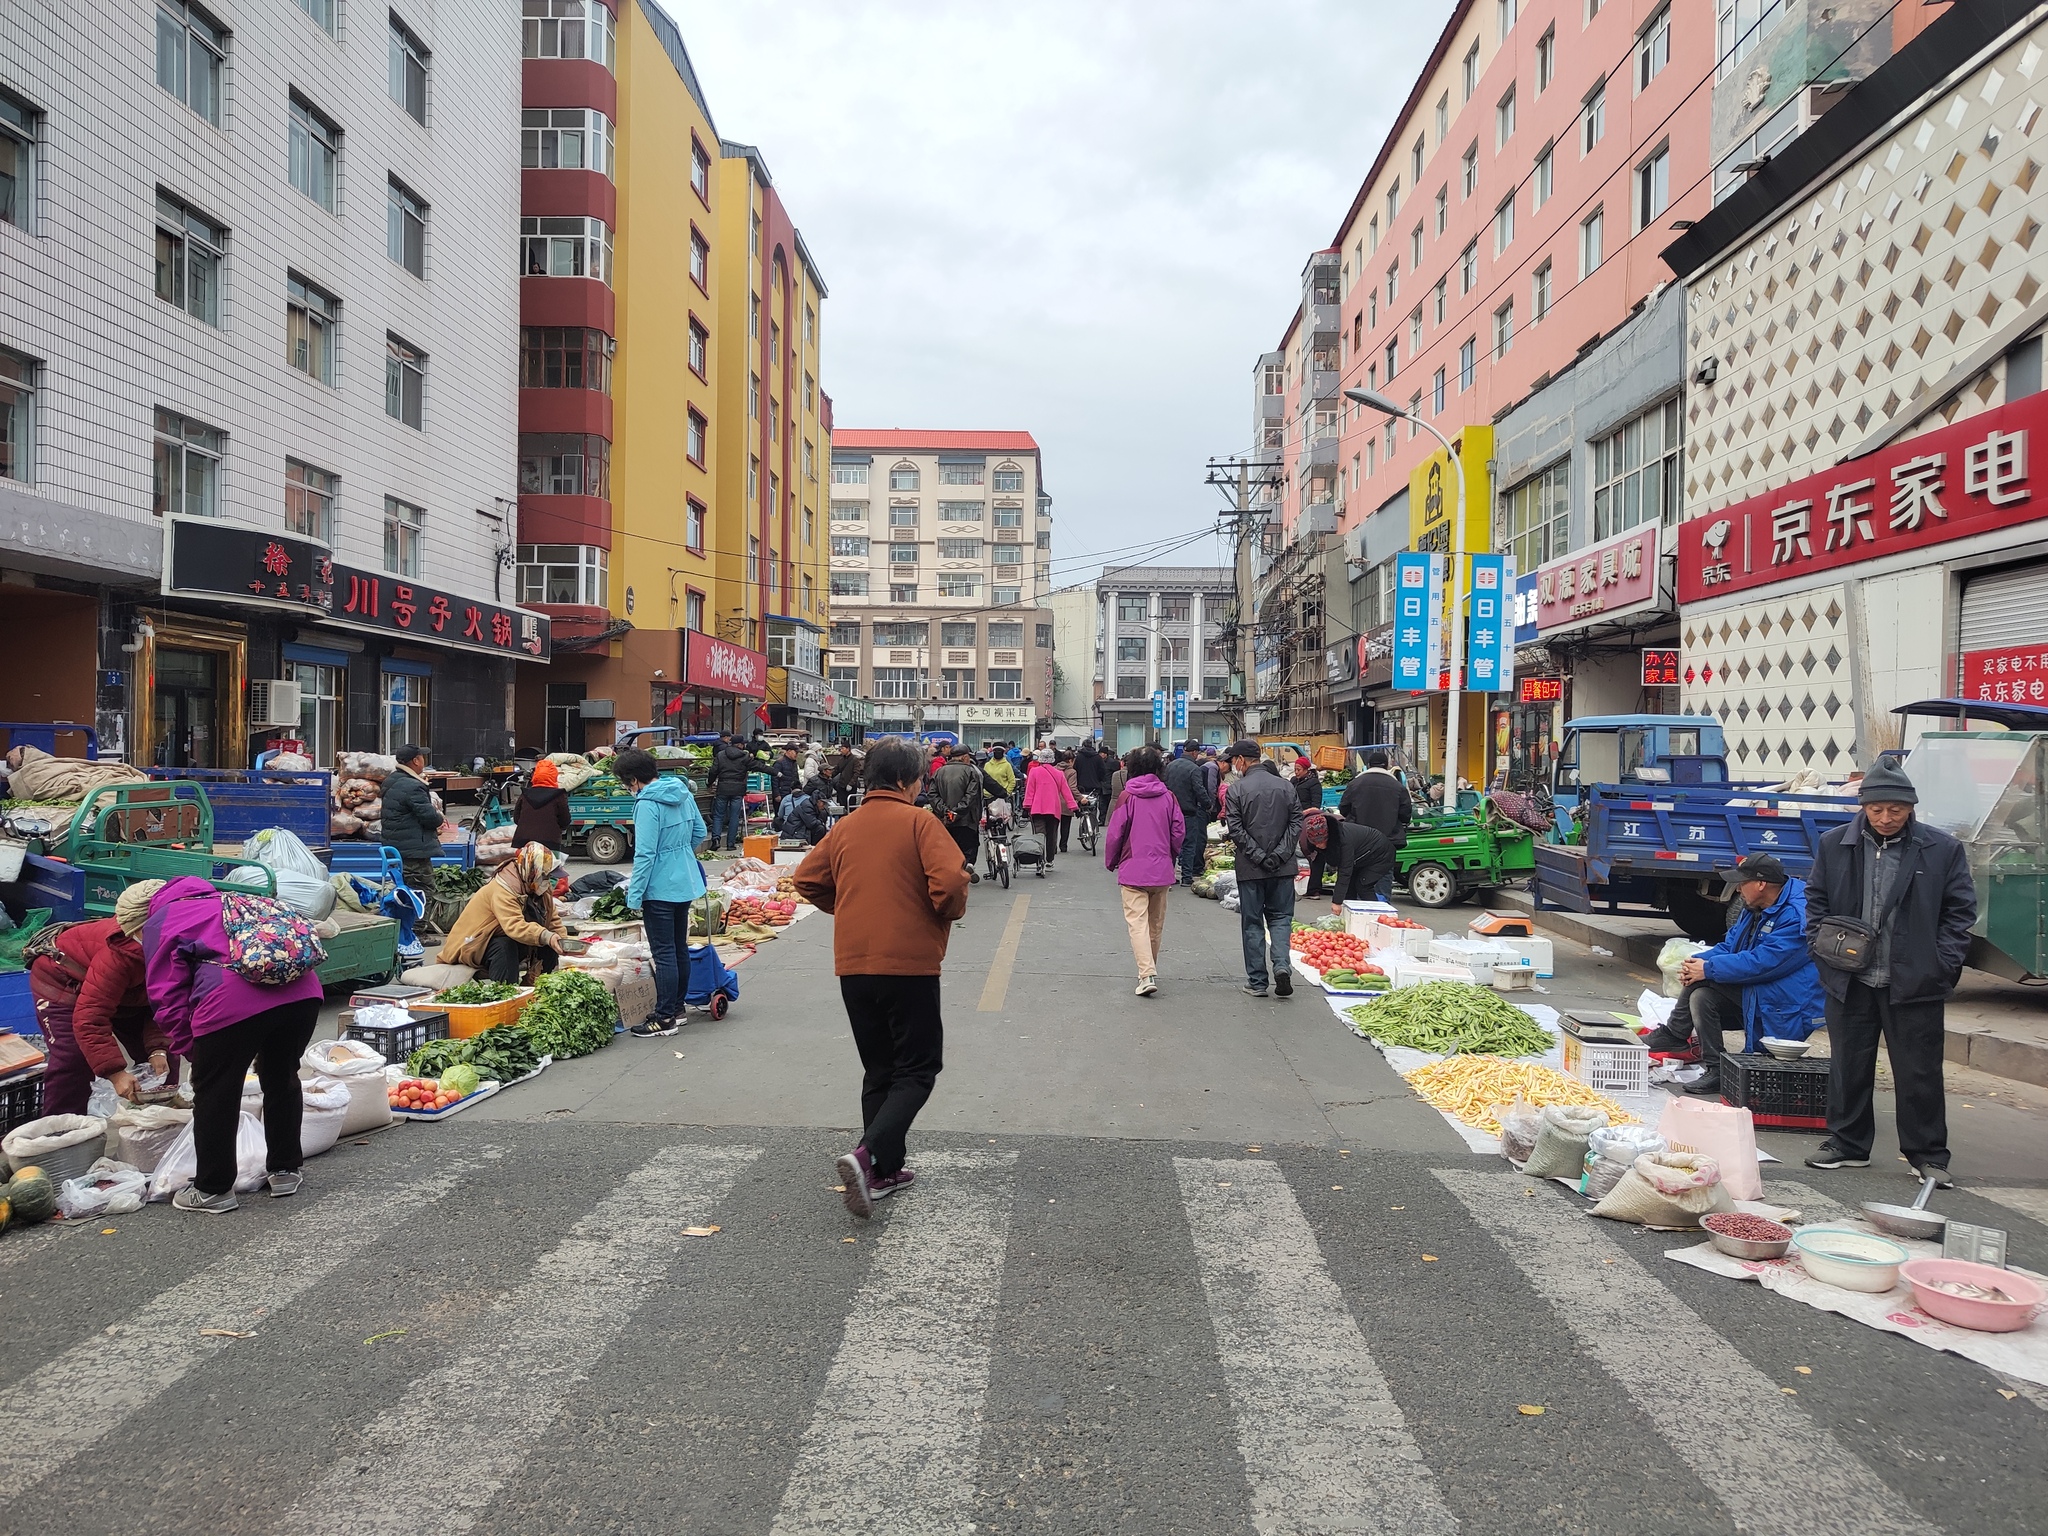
<point x="1361" y="918"/>
<point x="1415" y="975"/>
<point x="1416" y="941"/>
<point x="1536" y="950"/>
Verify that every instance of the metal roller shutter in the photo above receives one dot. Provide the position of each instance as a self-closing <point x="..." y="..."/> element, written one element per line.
<point x="2005" y="608"/>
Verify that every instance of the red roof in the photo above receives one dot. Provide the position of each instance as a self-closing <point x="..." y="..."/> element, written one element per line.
<point x="901" y="440"/>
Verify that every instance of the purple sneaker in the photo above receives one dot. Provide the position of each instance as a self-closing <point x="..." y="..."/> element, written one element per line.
<point x="856" y="1174"/>
<point x="888" y="1184"/>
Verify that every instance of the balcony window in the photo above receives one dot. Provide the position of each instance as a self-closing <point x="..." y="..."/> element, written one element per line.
<point x="568" y="29"/>
<point x="186" y="480"/>
<point x="564" y="574"/>
<point x="847" y="584"/>
<point x="564" y="464"/>
<point x="959" y="549"/>
<point x="903" y="632"/>
<point x="1006" y="635"/>
<point x="558" y="247"/>
<point x="960" y="474"/>
<point x="565" y="357"/>
<point x="959" y="584"/>
<point x="566" y="139"/>
<point x="188" y="258"/>
<point x="849" y="511"/>
<point x="849" y="546"/>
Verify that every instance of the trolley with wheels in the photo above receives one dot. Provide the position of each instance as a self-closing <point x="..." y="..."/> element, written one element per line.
<point x="1446" y="858"/>
<point x="712" y="985"/>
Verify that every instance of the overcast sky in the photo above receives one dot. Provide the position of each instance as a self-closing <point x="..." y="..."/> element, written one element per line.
<point x="1081" y="218"/>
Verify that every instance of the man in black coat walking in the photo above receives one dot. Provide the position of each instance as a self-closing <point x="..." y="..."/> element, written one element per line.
<point x="1911" y="883"/>
<point x="730" y="765"/>
<point x="1197" y="808"/>
<point x="1378" y="799"/>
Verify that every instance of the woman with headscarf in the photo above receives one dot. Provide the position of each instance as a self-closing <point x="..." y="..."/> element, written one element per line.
<point x="543" y="815"/>
<point x="510" y="926"/>
<point x="92" y="1003"/>
<point x="1046" y="799"/>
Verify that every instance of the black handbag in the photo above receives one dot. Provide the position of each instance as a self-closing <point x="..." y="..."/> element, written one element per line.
<point x="1848" y="944"/>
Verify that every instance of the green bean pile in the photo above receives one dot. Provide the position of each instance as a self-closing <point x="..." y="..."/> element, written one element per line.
<point x="1449" y="1018"/>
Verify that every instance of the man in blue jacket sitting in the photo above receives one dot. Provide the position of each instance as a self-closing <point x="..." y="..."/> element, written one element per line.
<point x="1760" y="979"/>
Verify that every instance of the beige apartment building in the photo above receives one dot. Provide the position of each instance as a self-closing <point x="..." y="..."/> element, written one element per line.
<point x="941" y="570"/>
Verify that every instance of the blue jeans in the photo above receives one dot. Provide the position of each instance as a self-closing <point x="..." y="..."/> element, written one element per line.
<point x="1265" y="909"/>
<point x="1195" y="848"/>
<point x="668" y="940"/>
<point x="728" y="811"/>
<point x="1385" y="890"/>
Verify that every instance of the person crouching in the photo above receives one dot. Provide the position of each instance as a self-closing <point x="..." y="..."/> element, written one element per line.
<point x="510" y="927"/>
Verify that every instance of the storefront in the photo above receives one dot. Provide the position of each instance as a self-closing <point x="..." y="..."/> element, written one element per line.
<point x="983" y="723"/>
<point x="1597" y="610"/>
<point x="1527" y="727"/>
<point x="724" y="687"/>
<point x="800" y="701"/>
<point x="853" y="718"/>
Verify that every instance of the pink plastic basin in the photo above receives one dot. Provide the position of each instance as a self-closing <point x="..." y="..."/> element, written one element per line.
<point x="1968" y="1312"/>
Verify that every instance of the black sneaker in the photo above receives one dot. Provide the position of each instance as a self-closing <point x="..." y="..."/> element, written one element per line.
<point x="1252" y="991"/>
<point x="1283" y="984"/>
<point x="1935" y="1171"/>
<point x="656" y="1029"/>
<point x="1706" y="1087"/>
<point x="1830" y="1155"/>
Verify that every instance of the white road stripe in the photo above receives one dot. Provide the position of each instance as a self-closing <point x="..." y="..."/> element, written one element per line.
<point x="2031" y="1203"/>
<point x="894" y="1442"/>
<point x="70" y="1404"/>
<point x="434" y="1462"/>
<point x="1813" y="1206"/>
<point x="1325" y="1445"/>
<point x="1775" y="1470"/>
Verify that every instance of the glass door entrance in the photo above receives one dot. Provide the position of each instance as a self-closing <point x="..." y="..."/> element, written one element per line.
<point x="187" y="722"/>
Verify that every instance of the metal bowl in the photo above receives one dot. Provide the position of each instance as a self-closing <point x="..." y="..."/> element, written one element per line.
<point x="1904" y="1221"/>
<point x="1747" y="1248"/>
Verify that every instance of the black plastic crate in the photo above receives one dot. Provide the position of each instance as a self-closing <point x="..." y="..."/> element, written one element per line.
<point x="397" y="1041"/>
<point x="1787" y="1095"/>
<point x="21" y="1099"/>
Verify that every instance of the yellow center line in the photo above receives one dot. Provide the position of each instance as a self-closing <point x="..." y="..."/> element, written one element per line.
<point x="998" y="984"/>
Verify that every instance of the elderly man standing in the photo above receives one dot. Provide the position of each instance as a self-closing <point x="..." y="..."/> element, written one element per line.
<point x="1759" y="979"/>
<point x="894" y="882"/>
<point x="1904" y="890"/>
<point x="1264" y="821"/>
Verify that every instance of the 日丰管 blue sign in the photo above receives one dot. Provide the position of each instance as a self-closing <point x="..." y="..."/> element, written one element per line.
<point x="1418" y="621"/>
<point x="1490" y="631"/>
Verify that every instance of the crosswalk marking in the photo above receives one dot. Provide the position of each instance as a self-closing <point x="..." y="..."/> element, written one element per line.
<point x="1776" y="1471"/>
<point x="435" y="1461"/>
<point x="1325" y="1445"/>
<point x="893" y="1443"/>
<point x="1812" y="1205"/>
<point x="84" y="1394"/>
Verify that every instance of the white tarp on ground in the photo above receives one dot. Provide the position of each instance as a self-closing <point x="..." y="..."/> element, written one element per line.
<point x="2023" y="1354"/>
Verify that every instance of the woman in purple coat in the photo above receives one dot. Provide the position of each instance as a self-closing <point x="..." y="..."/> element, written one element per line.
<point x="221" y="1023"/>
<point x="1141" y="844"/>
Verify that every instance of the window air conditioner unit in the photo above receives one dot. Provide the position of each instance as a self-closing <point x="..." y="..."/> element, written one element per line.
<point x="273" y="702"/>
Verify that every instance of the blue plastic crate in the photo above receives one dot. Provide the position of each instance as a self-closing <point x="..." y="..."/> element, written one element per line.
<point x="17" y="1003"/>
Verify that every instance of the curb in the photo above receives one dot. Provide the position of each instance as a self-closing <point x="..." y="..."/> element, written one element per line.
<point x="1584" y="928"/>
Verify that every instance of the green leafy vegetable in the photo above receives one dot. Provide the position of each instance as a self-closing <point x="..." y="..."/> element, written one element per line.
<point x="461" y="1079"/>
<point x="611" y="906"/>
<point x="471" y="993"/>
<point x="499" y="1055"/>
<point x="1449" y="1018"/>
<point x="571" y="1015"/>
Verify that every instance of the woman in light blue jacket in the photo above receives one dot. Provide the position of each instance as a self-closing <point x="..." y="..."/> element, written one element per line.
<point x="667" y="831"/>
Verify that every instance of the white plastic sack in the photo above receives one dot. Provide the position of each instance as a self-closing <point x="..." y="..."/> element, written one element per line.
<point x="107" y="1188"/>
<point x="328" y="1100"/>
<point x="180" y="1162"/>
<point x="25" y="1144"/>
<point x="344" y="1059"/>
<point x="305" y="895"/>
<point x="283" y="850"/>
<point x="141" y="1133"/>
<point x="103" y="1103"/>
<point x="1674" y="954"/>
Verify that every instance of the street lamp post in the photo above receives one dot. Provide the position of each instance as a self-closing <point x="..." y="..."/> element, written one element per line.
<point x="1455" y="694"/>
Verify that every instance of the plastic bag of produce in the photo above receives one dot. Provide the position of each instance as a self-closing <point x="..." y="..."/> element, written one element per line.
<point x="1520" y="1123"/>
<point x="107" y="1188"/>
<point x="572" y="770"/>
<point x="1674" y="954"/>
<point x="289" y="762"/>
<point x="1671" y="1190"/>
<point x="1610" y="1152"/>
<point x="281" y="849"/>
<point x="1560" y="1149"/>
<point x="707" y="915"/>
<point x="328" y="1101"/>
<point x="39" y="1140"/>
<point x="360" y="1068"/>
<point x="368" y="765"/>
<point x="139" y="1134"/>
<point x="1720" y="1131"/>
<point x="180" y="1162"/>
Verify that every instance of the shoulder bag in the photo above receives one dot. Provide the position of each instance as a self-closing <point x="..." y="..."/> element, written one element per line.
<point x="1848" y="944"/>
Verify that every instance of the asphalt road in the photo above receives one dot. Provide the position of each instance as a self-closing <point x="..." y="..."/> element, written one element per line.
<point x="1200" y="1264"/>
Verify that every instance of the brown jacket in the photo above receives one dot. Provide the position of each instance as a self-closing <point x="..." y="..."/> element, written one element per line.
<point x="493" y="910"/>
<point x="893" y="878"/>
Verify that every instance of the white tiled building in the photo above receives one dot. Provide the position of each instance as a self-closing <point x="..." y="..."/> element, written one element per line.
<point x="259" y="266"/>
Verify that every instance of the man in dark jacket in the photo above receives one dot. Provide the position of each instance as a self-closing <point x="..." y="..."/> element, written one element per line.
<point x="411" y="824"/>
<point x="730" y="765"/>
<point x="1197" y="808"/>
<point x="1362" y="857"/>
<point x="1911" y="883"/>
<point x="785" y="774"/>
<point x="1264" y="820"/>
<point x="1306" y="783"/>
<point x="1378" y="799"/>
<point x="956" y="800"/>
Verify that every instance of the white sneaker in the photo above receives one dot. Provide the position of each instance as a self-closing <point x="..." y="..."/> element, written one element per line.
<point x="1147" y="985"/>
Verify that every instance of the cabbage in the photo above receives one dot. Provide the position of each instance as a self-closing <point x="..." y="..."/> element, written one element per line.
<point x="460" y="1080"/>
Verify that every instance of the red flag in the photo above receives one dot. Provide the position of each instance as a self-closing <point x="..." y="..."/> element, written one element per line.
<point x="761" y="713"/>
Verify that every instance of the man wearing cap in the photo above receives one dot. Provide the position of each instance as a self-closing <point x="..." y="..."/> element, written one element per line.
<point x="1264" y="820"/>
<point x="1759" y="979"/>
<point x="1909" y="885"/>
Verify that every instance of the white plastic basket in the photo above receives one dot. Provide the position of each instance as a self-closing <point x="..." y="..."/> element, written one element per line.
<point x="1608" y="1068"/>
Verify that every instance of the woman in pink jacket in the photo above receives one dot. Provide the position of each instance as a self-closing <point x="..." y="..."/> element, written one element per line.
<point x="1141" y="845"/>
<point x="223" y="1022"/>
<point x="1047" y="797"/>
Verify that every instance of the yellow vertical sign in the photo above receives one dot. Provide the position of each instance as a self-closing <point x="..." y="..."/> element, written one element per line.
<point x="1432" y="497"/>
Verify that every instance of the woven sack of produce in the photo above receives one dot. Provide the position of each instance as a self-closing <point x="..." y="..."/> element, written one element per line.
<point x="1560" y="1150"/>
<point x="367" y="765"/>
<point x="572" y="771"/>
<point x="1520" y="1122"/>
<point x="1667" y="1189"/>
<point x="1610" y="1152"/>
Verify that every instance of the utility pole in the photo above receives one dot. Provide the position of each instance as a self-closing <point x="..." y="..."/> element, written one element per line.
<point x="1237" y="476"/>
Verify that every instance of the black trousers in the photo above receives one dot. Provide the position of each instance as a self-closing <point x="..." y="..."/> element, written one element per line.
<point x="1704" y="1010"/>
<point x="967" y="836"/>
<point x="273" y="1040"/>
<point x="419" y="878"/>
<point x="505" y="958"/>
<point x="1912" y="1034"/>
<point x="1048" y="830"/>
<point x="1066" y="830"/>
<point x="901" y="1039"/>
<point x="1364" y="884"/>
<point x="1316" y="871"/>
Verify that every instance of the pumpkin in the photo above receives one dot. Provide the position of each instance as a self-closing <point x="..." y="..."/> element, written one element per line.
<point x="31" y="1196"/>
<point x="6" y="1212"/>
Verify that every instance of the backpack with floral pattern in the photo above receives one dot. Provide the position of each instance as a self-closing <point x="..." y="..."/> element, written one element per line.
<point x="268" y="943"/>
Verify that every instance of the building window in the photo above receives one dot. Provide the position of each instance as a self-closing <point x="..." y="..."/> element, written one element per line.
<point x="1756" y="148"/>
<point x="320" y="706"/>
<point x="1544" y="181"/>
<point x="1043" y="636"/>
<point x="1007" y="554"/>
<point x="848" y="584"/>
<point x="1391" y="351"/>
<point x="700" y="350"/>
<point x="1535" y="518"/>
<point x="1593" y="118"/>
<point x="311" y="318"/>
<point x="1415" y="154"/>
<point x="315" y="144"/>
<point x="959" y="549"/>
<point x="903" y="632"/>
<point x="565" y="464"/>
<point x="903" y="554"/>
<point x="1006" y="682"/>
<point x="403" y="537"/>
<point x="405" y="709"/>
<point x="1415" y="246"/>
<point x="848" y="634"/>
<point x="955" y="683"/>
<point x="189" y="47"/>
<point x="1443" y="117"/>
<point x="1539" y="293"/>
<point x="321" y="11"/>
<point x="700" y="260"/>
<point x="1174" y="608"/>
<point x="1443" y="211"/>
<point x="849" y="546"/>
<point x="754" y="316"/>
<point x="1393" y="204"/>
<point x="187" y="478"/>
<point x="309" y="501"/>
<point x="1504" y="225"/>
<point x="693" y="525"/>
<point x="1635" y="473"/>
<point x="959" y="584"/>
<point x="849" y="474"/>
<point x="1471" y="71"/>
<point x="1393" y="282"/>
<point x="566" y="139"/>
<point x="845" y="681"/>
<point x="568" y="29"/>
<point x="700" y="170"/>
<point x="1130" y="648"/>
<point x="17" y="417"/>
<point x="1592" y="241"/>
<point x="960" y="474"/>
<point x="1436" y="396"/>
<point x="565" y="357"/>
<point x="408" y="73"/>
<point x="564" y="574"/>
<point x="1503" y="329"/>
<point x="1437" y="297"/>
<point x="693" y="611"/>
<point x="1468" y="170"/>
<point x="18" y="123"/>
<point x="753" y="559"/>
<point x="1505" y="13"/>
<point x="555" y="247"/>
<point x="1415" y="333"/>
<point x="1504" y="119"/>
<point x="903" y="478"/>
<point x="849" y="511"/>
<point x="1653" y="187"/>
<point x="1468" y="267"/>
<point x="1131" y="688"/>
<point x="1741" y="26"/>
<point x="405" y="229"/>
<point x="405" y="382"/>
<point x="754" y="397"/>
<point x="899" y="682"/>
<point x="1546" y="60"/>
<point x="699" y="433"/>
<point x="1653" y="48"/>
<point x="753" y="479"/>
<point x="961" y="511"/>
<point x="1468" y="362"/>
<point x="188" y="258"/>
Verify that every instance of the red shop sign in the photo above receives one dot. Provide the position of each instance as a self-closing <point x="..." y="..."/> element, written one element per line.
<point x="1947" y="484"/>
<point x="2013" y="674"/>
<point x="709" y="662"/>
<point x="1613" y="577"/>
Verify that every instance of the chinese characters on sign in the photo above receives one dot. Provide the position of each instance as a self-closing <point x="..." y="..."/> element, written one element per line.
<point x="1541" y="690"/>
<point x="1418" y="621"/>
<point x="1906" y="495"/>
<point x="1660" y="667"/>
<point x="2015" y="674"/>
<point x="1490" y="633"/>
<point x="218" y="559"/>
<point x="379" y="600"/>
<point x="709" y="662"/>
<point x="1611" y="578"/>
